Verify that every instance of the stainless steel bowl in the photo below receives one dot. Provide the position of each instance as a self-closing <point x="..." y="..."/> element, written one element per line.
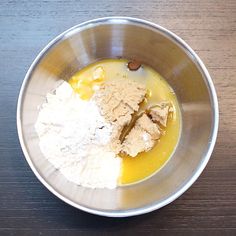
<point x="164" y="51"/>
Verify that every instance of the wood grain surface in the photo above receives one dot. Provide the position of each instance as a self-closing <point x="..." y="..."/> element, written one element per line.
<point x="207" y="208"/>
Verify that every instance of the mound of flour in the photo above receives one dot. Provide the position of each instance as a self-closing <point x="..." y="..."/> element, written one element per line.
<point x="74" y="137"/>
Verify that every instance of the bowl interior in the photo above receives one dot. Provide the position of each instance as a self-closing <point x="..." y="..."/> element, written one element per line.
<point x="131" y="39"/>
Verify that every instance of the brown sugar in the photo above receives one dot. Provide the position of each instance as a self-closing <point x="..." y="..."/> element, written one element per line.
<point x="159" y="113"/>
<point x="142" y="136"/>
<point x="119" y="102"/>
<point x="118" y="99"/>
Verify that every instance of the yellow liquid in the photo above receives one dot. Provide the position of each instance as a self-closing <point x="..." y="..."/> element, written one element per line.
<point x="135" y="169"/>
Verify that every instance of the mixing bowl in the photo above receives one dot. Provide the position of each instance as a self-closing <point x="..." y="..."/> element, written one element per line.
<point x="130" y="38"/>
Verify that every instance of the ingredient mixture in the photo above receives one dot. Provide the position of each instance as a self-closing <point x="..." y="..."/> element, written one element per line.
<point x="109" y="126"/>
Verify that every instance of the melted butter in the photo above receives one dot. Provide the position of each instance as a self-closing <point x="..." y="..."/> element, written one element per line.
<point x="145" y="164"/>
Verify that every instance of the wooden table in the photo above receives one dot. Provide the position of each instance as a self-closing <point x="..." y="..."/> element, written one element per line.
<point x="207" y="208"/>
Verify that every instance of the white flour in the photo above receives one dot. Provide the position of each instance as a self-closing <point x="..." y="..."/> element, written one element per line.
<point x="74" y="136"/>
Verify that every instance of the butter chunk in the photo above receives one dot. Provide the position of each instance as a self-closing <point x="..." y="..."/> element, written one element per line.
<point x="160" y="113"/>
<point x="142" y="137"/>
